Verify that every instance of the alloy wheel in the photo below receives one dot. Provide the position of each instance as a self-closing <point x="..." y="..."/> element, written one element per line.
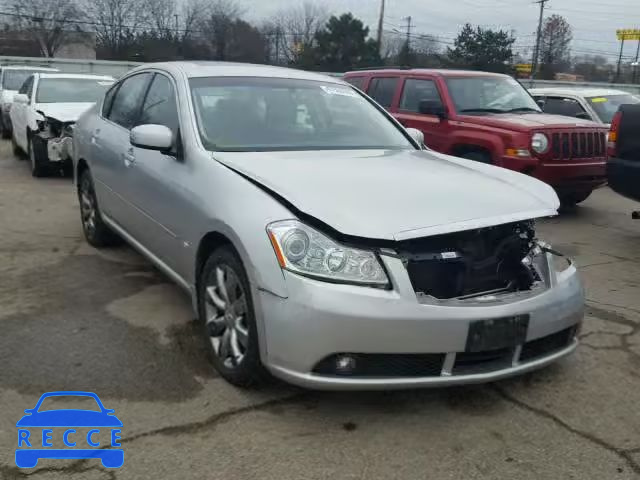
<point x="226" y="316"/>
<point x="87" y="207"/>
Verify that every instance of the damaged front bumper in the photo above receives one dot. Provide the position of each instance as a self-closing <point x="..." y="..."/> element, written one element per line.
<point x="395" y="339"/>
<point x="53" y="142"/>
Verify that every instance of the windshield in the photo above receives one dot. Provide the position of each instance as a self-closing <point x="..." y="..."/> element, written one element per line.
<point x="607" y="106"/>
<point x="64" y="402"/>
<point x="483" y="95"/>
<point x="263" y="114"/>
<point x="70" y="90"/>
<point x="13" y="79"/>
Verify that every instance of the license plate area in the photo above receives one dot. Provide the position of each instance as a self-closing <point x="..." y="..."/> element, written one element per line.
<point x="497" y="333"/>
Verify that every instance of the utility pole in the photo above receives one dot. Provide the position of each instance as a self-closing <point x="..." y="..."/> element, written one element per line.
<point x="619" y="60"/>
<point x="380" y="27"/>
<point x="536" y="52"/>
<point x="408" y="19"/>
<point x="175" y="16"/>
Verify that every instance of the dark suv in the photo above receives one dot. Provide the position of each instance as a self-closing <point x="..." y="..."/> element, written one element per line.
<point x="491" y="118"/>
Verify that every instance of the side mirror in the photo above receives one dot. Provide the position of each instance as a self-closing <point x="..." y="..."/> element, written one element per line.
<point x="417" y="135"/>
<point x="540" y="103"/>
<point x="21" y="98"/>
<point x="431" y="107"/>
<point x="583" y="115"/>
<point x="151" y="137"/>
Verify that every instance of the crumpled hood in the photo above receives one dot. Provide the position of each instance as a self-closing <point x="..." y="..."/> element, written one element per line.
<point x="64" y="112"/>
<point x="529" y="121"/>
<point x="396" y="195"/>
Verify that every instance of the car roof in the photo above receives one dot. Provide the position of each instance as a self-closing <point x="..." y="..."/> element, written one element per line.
<point x="76" y="75"/>
<point x="28" y="67"/>
<point x="195" y="69"/>
<point x="440" y="72"/>
<point x="578" y="91"/>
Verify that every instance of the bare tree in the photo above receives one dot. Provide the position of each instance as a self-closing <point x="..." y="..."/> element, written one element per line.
<point x="218" y="25"/>
<point x="48" y="23"/>
<point x="116" y="22"/>
<point x="189" y="14"/>
<point x="296" y="29"/>
<point x="162" y="17"/>
<point x="555" y="45"/>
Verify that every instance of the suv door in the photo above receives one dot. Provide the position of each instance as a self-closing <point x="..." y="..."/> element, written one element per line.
<point x="414" y="91"/>
<point x="111" y="150"/>
<point x="151" y="177"/>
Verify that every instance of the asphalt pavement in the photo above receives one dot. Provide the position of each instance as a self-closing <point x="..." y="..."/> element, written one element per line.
<point x="75" y="318"/>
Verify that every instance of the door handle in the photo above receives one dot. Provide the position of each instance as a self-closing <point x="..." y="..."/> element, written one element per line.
<point x="129" y="158"/>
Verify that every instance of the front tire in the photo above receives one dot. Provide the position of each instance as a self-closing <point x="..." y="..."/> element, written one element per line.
<point x="39" y="168"/>
<point x="570" y="200"/>
<point x="227" y="316"/>
<point x="96" y="232"/>
<point x="19" y="154"/>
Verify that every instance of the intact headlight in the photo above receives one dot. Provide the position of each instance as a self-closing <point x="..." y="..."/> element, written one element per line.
<point x="539" y="143"/>
<point x="302" y="249"/>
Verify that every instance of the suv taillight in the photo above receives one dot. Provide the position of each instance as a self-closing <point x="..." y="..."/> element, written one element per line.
<point x="613" y="134"/>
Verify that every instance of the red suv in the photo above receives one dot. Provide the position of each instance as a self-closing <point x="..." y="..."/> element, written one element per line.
<point x="491" y="118"/>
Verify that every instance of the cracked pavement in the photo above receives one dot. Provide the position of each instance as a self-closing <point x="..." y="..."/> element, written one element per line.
<point x="74" y="318"/>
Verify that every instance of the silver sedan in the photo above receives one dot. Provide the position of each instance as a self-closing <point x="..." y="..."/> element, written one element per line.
<point x="319" y="240"/>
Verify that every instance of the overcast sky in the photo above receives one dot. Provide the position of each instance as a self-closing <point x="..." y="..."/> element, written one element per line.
<point x="594" y="22"/>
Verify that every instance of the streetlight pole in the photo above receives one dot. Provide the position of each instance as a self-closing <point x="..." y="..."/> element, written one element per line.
<point x="380" y="25"/>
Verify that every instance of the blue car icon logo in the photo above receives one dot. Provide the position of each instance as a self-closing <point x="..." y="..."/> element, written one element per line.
<point x="31" y="447"/>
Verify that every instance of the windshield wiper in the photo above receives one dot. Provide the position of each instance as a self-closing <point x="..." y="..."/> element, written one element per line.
<point x="483" y="110"/>
<point x="524" y="109"/>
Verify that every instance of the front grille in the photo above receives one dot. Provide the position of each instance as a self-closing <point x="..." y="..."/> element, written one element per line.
<point x="470" y="263"/>
<point x="572" y="145"/>
<point x="468" y="363"/>
<point x="392" y="365"/>
<point x="386" y="365"/>
<point x="547" y="345"/>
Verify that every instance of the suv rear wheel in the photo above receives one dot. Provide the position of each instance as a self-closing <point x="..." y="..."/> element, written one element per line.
<point x="569" y="200"/>
<point x="227" y="316"/>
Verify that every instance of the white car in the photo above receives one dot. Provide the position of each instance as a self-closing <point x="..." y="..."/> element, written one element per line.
<point x="596" y="104"/>
<point x="11" y="79"/>
<point x="44" y="112"/>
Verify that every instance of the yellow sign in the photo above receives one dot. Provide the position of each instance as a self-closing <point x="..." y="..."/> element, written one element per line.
<point x="523" y="67"/>
<point x="628" y="34"/>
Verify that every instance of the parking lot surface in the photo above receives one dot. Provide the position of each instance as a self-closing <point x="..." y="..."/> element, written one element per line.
<point x="75" y="318"/>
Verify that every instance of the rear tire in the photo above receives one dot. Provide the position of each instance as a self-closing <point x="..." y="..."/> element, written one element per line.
<point x="226" y="312"/>
<point x="97" y="233"/>
<point x="481" y="157"/>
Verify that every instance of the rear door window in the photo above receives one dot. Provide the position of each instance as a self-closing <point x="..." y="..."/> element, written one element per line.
<point x="357" y="82"/>
<point x="382" y="90"/>
<point x="569" y="107"/>
<point x="416" y="91"/>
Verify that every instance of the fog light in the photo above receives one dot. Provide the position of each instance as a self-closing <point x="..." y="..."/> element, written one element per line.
<point x="345" y="364"/>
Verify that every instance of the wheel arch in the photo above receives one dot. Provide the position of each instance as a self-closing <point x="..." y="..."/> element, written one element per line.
<point x="461" y="149"/>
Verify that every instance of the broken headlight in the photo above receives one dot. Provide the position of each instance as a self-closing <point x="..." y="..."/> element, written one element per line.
<point x="303" y="250"/>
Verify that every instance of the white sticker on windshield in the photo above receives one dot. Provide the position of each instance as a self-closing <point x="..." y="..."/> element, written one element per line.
<point x="105" y="83"/>
<point x="345" y="92"/>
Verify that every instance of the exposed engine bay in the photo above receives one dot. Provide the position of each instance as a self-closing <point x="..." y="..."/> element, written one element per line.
<point x="54" y="140"/>
<point x="473" y="263"/>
